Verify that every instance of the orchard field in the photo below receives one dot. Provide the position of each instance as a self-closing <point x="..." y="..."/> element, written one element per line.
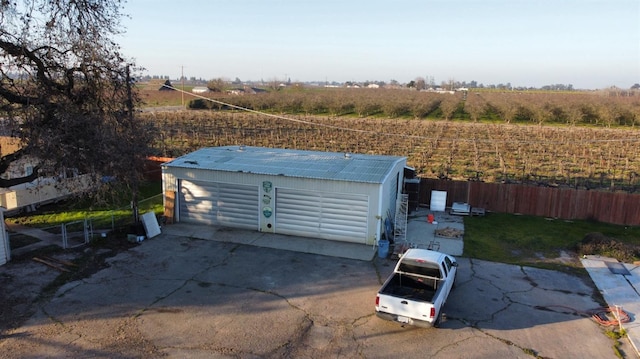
<point x="577" y="139"/>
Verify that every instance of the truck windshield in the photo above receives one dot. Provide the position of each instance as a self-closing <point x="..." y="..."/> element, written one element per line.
<point x="423" y="269"/>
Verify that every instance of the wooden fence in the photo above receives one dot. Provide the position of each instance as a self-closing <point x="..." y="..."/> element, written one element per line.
<point x="153" y="167"/>
<point x="564" y="203"/>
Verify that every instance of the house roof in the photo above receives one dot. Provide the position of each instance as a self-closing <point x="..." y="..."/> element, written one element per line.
<point x="291" y="163"/>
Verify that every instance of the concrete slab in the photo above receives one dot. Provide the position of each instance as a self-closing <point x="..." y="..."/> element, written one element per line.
<point x="618" y="290"/>
<point x="45" y="238"/>
<point x="422" y="234"/>
<point x="274" y="241"/>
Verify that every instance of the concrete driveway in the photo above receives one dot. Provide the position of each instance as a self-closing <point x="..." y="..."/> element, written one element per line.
<point x="178" y="296"/>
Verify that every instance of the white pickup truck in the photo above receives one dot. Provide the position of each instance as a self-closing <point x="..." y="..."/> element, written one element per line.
<point x="418" y="288"/>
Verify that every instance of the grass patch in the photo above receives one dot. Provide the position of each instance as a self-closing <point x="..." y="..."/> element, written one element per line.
<point x="528" y="240"/>
<point x="114" y="213"/>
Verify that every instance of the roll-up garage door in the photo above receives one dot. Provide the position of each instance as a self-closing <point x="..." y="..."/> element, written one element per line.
<point x="221" y="204"/>
<point x="335" y="216"/>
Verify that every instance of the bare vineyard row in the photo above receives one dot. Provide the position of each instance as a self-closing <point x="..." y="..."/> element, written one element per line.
<point x="539" y="108"/>
<point x="547" y="155"/>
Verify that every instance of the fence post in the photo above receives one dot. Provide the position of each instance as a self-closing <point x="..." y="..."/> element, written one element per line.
<point x="64" y="235"/>
<point x="90" y="228"/>
<point x="86" y="232"/>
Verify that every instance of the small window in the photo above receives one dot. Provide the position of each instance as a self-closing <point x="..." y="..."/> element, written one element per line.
<point x="410" y="266"/>
<point x="446" y="269"/>
<point x="449" y="263"/>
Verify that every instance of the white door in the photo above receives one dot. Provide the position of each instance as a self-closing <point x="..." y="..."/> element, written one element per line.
<point x="222" y="204"/>
<point x="438" y="201"/>
<point x="335" y="216"/>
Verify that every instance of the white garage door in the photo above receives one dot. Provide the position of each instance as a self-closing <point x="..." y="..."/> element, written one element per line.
<point x="221" y="204"/>
<point x="335" y="216"/>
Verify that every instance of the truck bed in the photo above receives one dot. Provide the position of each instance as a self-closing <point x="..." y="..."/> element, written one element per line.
<point x="408" y="287"/>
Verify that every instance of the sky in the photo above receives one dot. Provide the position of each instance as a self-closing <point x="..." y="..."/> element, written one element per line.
<point x="588" y="44"/>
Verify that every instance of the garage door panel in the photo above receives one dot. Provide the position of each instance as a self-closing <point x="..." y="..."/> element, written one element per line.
<point x="341" y="229"/>
<point x="308" y="204"/>
<point x="331" y="203"/>
<point x="349" y="221"/>
<point x="344" y="210"/>
<point x="343" y="215"/>
<point x="334" y="216"/>
<point x="293" y="219"/>
<point x="232" y="207"/>
<point x="297" y="208"/>
<point x="217" y="203"/>
<point x="295" y="229"/>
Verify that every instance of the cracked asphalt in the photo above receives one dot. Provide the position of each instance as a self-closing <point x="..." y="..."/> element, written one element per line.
<point x="179" y="297"/>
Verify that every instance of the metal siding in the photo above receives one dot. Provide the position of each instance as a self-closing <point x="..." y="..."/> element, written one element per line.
<point x="217" y="203"/>
<point x="5" y="246"/>
<point x="169" y="182"/>
<point x="392" y="195"/>
<point x="255" y="179"/>
<point x="335" y="216"/>
<point x="287" y="163"/>
<point x="4" y="249"/>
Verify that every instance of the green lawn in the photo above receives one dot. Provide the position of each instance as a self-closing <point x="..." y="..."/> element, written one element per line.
<point x="520" y="239"/>
<point x="117" y="213"/>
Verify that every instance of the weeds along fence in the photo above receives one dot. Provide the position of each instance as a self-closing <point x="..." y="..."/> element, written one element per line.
<point x="558" y="202"/>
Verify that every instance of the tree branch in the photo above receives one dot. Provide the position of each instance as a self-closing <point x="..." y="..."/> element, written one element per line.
<point x="6" y="183"/>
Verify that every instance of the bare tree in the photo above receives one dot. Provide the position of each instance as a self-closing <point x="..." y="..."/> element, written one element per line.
<point x="574" y="114"/>
<point x="449" y="105"/>
<point x="66" y="91"/>
<point x="217" y="85"/>
<point x="507" y="107"/>
<point x="420" y="83"/>
<point x="474" y="105"/>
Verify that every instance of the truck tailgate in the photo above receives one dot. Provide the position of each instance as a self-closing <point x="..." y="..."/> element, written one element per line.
<point x="404" y="308"/>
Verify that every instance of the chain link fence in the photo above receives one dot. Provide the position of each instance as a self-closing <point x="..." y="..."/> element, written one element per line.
<point x="95" y="224"/>
<point x="121" y="218"/>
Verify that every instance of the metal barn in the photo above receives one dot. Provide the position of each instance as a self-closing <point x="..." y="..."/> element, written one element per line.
<point x="327" y="195"/>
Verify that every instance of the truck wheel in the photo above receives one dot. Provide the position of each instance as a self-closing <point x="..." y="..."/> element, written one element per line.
<point x="436" y="323"/>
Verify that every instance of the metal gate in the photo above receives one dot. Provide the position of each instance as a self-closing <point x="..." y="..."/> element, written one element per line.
<point x="335" y="216"/>
<point x="216" y="203"/>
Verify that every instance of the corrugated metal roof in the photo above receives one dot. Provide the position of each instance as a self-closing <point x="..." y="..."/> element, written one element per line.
<point x="291" y="163"/>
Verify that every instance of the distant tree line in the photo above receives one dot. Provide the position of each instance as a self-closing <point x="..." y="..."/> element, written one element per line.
<point x="600" y="109"/>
